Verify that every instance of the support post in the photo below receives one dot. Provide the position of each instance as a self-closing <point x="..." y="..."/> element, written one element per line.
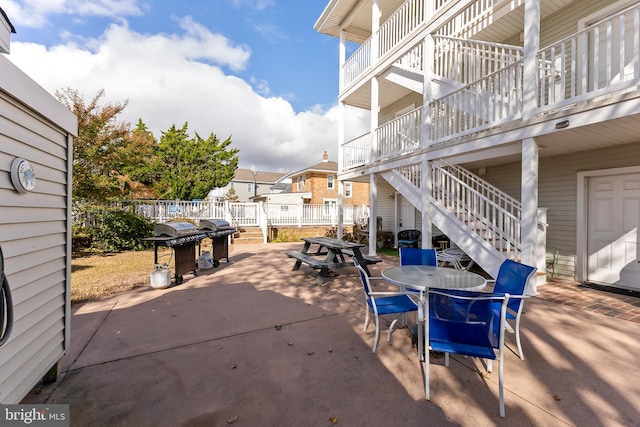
<point x="529" y="196"/>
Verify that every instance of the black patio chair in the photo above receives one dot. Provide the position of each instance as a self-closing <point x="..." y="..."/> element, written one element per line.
<point x="409" y="238"/>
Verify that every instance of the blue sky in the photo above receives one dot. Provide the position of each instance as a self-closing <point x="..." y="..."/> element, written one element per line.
<point x="254" y="70"/>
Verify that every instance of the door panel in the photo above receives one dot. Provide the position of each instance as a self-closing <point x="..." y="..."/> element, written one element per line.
<point x="407" y="215"/>
<point x="613" y="227"/>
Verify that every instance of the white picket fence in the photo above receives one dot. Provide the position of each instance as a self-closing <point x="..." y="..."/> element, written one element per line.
<point x="241" y="214"/>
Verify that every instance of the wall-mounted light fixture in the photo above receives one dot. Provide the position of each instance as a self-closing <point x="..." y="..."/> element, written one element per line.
<point x="482" y="171"/>
<point x="563" y="124"/>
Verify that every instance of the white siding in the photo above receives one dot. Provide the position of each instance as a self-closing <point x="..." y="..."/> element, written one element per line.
<point x="34" y="230"/>
<point x="558" y="192"/>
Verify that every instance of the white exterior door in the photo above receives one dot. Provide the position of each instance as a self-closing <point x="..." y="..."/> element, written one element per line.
<point x="613" y="230"/>
<point x="406" y="215"/>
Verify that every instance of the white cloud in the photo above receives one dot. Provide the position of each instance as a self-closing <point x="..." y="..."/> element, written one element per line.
<point x="36" y="13"/>
<point x="173" y="79"/>
<point x="252" y="4"/>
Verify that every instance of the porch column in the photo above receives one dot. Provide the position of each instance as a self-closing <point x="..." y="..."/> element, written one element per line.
<point x="340" y="209"/>
<point x="427" y="66"/>
<point x="530" y="51"/>
<point x="529" y="195"/>
<point x="373" y="213"/>
<point x="342" y="57"/>
<point x="375" y="109"/>
<point x="375" y="26"/>
<point x="341" y="121"/>
<point x="427" y="225"/>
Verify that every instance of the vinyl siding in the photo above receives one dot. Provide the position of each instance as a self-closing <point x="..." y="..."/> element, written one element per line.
<point x="557" y="191"/>
<point x="34" y="230"/>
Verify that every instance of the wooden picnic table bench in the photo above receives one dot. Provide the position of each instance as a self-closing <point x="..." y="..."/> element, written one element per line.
<point x="334" y="251"/>
<point x="369" y="259"/>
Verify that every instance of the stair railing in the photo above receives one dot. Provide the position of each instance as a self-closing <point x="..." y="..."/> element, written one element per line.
<point x="484" y="209"/>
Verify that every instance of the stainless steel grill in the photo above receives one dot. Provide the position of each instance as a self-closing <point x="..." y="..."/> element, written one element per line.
<point x="218" y="231"/>
<point x="174" y="229"/>
<point x="216" y="227"/>
<point x="182" y="237"/>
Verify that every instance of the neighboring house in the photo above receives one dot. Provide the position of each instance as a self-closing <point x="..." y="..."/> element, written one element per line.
<point x="318" y="184"/>
<point x="247" y="184"/>
<point x="35" y="227"/>
<point x="510" y="126"/>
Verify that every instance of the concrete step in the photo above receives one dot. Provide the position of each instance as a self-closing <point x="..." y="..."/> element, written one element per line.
<point x="248" y="235"/>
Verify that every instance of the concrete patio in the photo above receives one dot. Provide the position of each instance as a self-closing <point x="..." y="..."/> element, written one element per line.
<point x="252" y="343"/>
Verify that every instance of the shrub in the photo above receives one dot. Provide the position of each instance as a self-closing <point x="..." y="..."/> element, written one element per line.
<point x="120" y="230"/>
<point x="81" y="238"/>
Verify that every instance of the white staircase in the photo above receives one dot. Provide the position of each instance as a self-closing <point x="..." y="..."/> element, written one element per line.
<point x="479" y="218"/>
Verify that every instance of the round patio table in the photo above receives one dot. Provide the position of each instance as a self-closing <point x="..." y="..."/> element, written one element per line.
<point x="421" y="278"/>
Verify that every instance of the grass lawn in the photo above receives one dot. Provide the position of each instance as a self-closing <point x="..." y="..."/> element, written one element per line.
<point x="385" y="251"/>
<point x="97" y="276"/>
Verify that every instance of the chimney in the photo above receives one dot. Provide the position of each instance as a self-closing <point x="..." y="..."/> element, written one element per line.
<point x="325" y="157"/>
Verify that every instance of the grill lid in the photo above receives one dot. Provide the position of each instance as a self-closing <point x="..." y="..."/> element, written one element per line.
<point x="174" y="229"/>
<point x="213" y="225"/>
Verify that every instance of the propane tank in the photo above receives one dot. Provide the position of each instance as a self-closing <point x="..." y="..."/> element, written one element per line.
<point x="160" y="276"/>
<point x="205" y="260"/>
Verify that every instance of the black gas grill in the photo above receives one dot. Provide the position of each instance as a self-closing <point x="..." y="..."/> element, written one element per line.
<point x="182" y="237"/>
<point x="218" y="230"/>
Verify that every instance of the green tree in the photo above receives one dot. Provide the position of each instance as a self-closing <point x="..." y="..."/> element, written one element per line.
<point x="97" y="150"/>
<point x="110" y="160"/>
<point x="193" y="166"/>
<point x="140" y="164"/>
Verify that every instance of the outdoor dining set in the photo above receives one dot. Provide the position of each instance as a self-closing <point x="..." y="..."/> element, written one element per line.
<point x="455" y="314"/>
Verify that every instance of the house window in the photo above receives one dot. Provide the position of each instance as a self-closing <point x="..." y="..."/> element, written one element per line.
<point x="330" y="182"/>
<point x="348" y="190"/>
<point x="329" y="208"/>
<point x="249" y="188"/>
<point x="301" y="182"/>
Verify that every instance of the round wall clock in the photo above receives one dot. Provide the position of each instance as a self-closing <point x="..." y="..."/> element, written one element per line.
<point x="23" y="176"/>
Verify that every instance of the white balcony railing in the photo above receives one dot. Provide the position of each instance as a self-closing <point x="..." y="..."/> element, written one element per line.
<point x="602" y="59"/>
<point x="357" y="63"/>
<point x="487" y="102"/>
<point x="413" y="60"/>
<point x="390" y="34"/>
<point x="405" y="20"/>
<point x="466" y="61"/>
<point x="399" y="25"/>
<point x="356" y="152"/>
<point x="400" y="135"/>
<point x="470" y="17"/>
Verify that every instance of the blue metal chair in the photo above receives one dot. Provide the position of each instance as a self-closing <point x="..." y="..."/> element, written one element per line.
<point x="478" y="332"/>
<point x="416" y="256"/>
<point x="383" y="303"/>
<point x="513" y="278"/>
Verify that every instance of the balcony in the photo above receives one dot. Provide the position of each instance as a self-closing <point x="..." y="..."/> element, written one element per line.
<point x="485" y="86"/>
